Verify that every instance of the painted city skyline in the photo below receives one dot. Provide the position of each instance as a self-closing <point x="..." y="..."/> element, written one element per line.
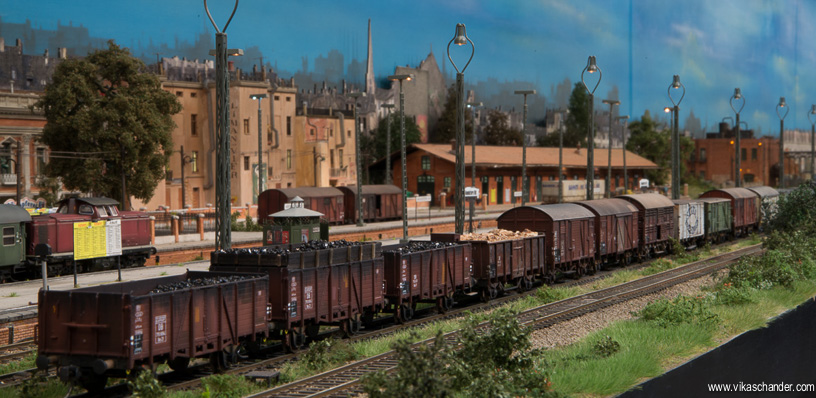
<point x="757" y="45"/>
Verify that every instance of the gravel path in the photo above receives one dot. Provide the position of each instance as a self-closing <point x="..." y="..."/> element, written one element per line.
<point x="565" y="333"/>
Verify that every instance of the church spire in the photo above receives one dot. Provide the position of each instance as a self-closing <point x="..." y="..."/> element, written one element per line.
<point x="369" y="76"/>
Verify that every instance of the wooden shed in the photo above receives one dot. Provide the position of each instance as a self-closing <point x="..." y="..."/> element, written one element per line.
<point x="380" y="202"/>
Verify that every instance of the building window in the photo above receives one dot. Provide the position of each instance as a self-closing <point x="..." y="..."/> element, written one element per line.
<point x="277" y="98"/>
<point x="193" y="94"/>
<point x="348" y="133"/>
<point x="340" y="156"/>
<point x="194" y="161"/>
<point x="702" y="154"/>
<point x="311" y="132"/>
<point x="447" y="182"/>
<point x="753" y="154"/>
<point x="288" y="99"/>
<point x="331" y="158"/>
<point x="193" y="125"/>
<point x="40" y="160"/>
<point x="8" y="236"/>
<point x="744" y="154"/>
<point x="246" y="126"/>
<point x="288" y="159"/>
<point x="426" y="163"/>
<point x="288" y="124"/>
<point x="179" y="94"/>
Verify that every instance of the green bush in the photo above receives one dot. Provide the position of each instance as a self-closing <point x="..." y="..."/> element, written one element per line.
<point x="145" y="385"/>
<point x="327" y="352"/>
<point x="228" y="386"/>
<point x="727" y="294"/>
<point x="762" y="272"/>
<point x="421" y="372"/>
<point x="39" y="387"/>
<point x="682" y="309"/>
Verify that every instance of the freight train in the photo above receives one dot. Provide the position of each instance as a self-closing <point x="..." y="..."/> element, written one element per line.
<point x="86" y="233"/>
<point x="289" y="292"/>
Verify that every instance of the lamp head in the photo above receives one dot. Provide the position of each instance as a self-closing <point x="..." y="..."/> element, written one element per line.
<point x="676" y="81"/>
<point x="813" y="109"/>
<point x="591" y="66"/>
<point x="667" y="109"/>
<point x="782" y="103"/>
<point x="257" y="96"/>
<point x="460" y="39"/>
<point x="737" y="93"/>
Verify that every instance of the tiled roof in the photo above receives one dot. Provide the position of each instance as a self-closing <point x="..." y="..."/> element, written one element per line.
<point x="538" y="156"/>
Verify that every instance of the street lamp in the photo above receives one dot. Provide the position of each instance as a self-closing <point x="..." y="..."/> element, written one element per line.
<point x="812" y="141"/>
<point x="737" y="96"/>
<point x="402" y="78"/>
<point x="359" y="203"/>
<point x="623" y="150"/>
<point x="460" y="38"/>
<point x="781" y="104"/>
<point x="472" y="106"/>
<point x="223" y="234"/>
<point x="261" y="174"/>
<point x="524" y="187"/>
<point x="591" y="67"/>
<point x="675" y="139"/>
<point x="611" y="103"/>
<point x="388" y="107"/>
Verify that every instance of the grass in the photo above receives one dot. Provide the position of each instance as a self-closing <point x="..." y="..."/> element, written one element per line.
<point x="26" y="363"/>
<point x="12" y="294"/>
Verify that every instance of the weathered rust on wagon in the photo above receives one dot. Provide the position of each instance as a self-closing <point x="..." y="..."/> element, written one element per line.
<point x="616" y="230"/>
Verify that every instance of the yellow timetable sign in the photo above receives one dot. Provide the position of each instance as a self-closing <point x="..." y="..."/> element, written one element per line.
<point x="97" y="239"/>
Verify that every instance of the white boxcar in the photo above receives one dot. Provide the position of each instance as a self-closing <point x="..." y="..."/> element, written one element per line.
<point x="690" y="216"/>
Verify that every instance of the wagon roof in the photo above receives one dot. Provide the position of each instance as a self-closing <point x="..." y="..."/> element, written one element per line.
<point x="736" y="192"/>
<point x="606" y="207"/>
<point x="562" y="211"/>
<point x="376" y="189"/>
<point x="685" y="201"/>
<point x="714" y="200"/>
<point x="649" y="200"/>
<point x="310" y="192"/>
<point x="765" y="192"/>
<point x="13" y="214"/>
<point x="102" y="201"/>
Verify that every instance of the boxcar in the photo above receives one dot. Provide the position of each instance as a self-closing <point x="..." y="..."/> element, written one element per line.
<point x="744" y="208"/>
<point x="717" y="219"/>
<point x="326" y="200"/>
<point x="655" y="222"/>
<point x="689" y="222"/>
<point x="336" y="286"/>
<point x="570" y="230"/>
<point x="380" y="202"/>
<point x="767" y="202"/>
<point x="13" y="220"/>
<point x="616" y="233"/>
<point x="96" y="332"/>
<point x="425" y="272"/>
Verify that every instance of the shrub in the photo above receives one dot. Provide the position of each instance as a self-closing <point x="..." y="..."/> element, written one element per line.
<point x="682" y="309"/>
<point x="145" y="385"/>
<point x="321" y="354"/>
<point x="228" y="386"/>
<point x="420" y="372"/>
<point x="762" y="272"/>
<point x="727" y="294"/>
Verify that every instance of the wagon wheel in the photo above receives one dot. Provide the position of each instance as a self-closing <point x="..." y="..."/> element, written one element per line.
<point x="528" y="284"/>
<point x="520" y="285"/>
<point x="312" y="331"/>
<point x="294" y="341"/>
<point x="350" y="327"/>
<point x="368" y="318"/>
<point x="406" y="312"/>
<point x="484" y="294"/>
<point x="92" y="382"/>
<point x="179" y="364"/>
<point x="218" y="361"/>
<point x="449" y="302"/>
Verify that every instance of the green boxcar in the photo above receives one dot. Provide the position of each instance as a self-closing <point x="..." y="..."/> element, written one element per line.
<point x="12" y="252"/>
<point x="717" y="218"/>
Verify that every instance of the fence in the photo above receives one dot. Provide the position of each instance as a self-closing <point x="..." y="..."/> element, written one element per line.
<point x="188" y="220"/>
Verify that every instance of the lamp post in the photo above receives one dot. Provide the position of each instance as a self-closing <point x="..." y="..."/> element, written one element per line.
<point x="524" y="188"/>
<point x="675" y="139"/>
<point x="388" y="177"/>
<point x="561" y="157"/>
<point x="623" y="150"/>
<point x="472" y="106"/>
<point x="358" y="163"/>
<point x="460" y="38"/>
<point x="184" y="160"/>
<point x="223" y="234"/>
<point x="402" y="78"/>
<point x="812" y="141"/>
<point x="781" y="104"/>
<point x="737" y="96"/>
<point x="611" y="103"/>
<point x="261" y="178"/>
<point x="591" y="67"/>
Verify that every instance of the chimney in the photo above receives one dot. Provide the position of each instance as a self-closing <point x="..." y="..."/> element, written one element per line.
<point x="2" y="45"/>
<point x="230" y="66"/>
<point x="305" y="111"/>
<point x="453" y="146"/>
<point x="45" y="57"/>
<point x="254" y="70"/>
<point x="344" y="87"/>
<point x="263" y="73"/>
<point x="20" y="45"/>
<point x="62" y="53"/>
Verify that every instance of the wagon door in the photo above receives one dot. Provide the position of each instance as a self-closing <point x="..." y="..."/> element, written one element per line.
<point x="604" y="221"/>
<point x="13" y="248"/>
<point x="620" y="236"/>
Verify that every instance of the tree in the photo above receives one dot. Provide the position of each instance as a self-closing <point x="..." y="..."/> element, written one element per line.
<point x="106" y="116"/>
<point x="445" y="128"/>
<point x="498" y="130"/>
<point x="653" y="142"/>
<point x="577" y="121"/>
<point x="373" y="146"/>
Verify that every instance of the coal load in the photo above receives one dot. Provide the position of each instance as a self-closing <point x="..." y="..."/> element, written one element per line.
<point x="314" y="245"/>
<point x="198" y="282"/>
<point x="314" y="253"/>
<point x="419" y="246"/>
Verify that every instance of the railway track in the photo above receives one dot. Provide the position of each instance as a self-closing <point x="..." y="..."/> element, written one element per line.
<point x="345" y="381"/>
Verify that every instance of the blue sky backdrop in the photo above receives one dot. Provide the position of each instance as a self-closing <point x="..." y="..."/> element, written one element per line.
<point x="765" y="47"/>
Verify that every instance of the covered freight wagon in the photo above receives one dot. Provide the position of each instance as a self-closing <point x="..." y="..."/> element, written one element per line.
<point x="570" y="232"/>
<point x="717" y="219"/>
<point x="96" y="332"/>
<point x="655" y="222"/>
<point x="616" y="233"/>
<point x="380" y="202"/>
<point x="689" y="221"/>
<point x="326" y="200"/>
<point x="422" y="271"/>
<point x="310" y="285"/>
<point x="744" y="208"/>
<point x="767" y="202"/>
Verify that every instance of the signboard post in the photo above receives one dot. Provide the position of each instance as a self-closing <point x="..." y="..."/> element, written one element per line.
<point x="516" y="194"/>
<point x="93" y="239"/>
<point x="471" y="193"/>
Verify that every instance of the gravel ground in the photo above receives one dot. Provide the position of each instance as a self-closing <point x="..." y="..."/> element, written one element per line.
<point x="569" y="332"/>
